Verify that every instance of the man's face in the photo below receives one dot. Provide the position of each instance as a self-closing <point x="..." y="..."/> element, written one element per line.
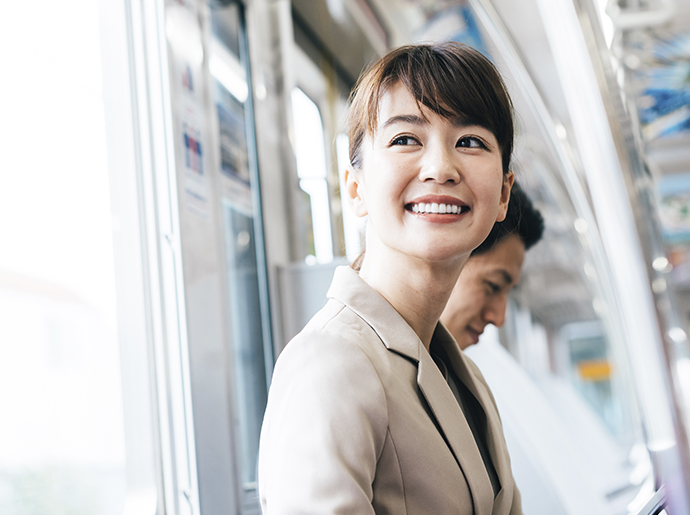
<point x="481" y="293"/>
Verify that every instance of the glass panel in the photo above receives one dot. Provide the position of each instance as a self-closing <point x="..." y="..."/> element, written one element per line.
<point x="594" y="372"/>
<point x="311" y="168"/>
<point x="243" y="239"/>
<point x="247" y="337"/>
<point x="225" y="25"/>
<point x="61" y="435"/>
<point x="567" y="332"/>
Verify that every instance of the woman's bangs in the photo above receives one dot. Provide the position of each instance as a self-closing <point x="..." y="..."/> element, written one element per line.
<point x="448" y="90"/>
<point x="454" y="81"/>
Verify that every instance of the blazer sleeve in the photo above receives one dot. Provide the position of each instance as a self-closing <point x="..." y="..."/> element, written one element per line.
<point x="324" y="429"/>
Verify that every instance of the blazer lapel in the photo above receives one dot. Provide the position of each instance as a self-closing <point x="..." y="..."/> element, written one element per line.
<point x="399" y="337"/>
<point x="456" y="432"/>
<point x="495" y="439"/>
<point x="350" y="289"/>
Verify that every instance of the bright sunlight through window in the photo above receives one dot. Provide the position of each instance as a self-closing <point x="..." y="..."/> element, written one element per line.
<point x="61" y="436"/>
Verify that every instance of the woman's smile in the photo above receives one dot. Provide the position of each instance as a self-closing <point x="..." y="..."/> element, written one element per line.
<point x="432" y="187"/>
<point x="438" y="209"/>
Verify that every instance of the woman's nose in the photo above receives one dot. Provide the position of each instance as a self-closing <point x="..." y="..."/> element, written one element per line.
<point x="438" y="165"/>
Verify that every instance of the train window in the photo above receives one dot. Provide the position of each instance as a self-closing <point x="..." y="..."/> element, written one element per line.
<point x="590" y="366"/>
<point x="319" y="103"/>
<point x="62" y="446"/>
<point x="245" y="272"/>
<point x="225" y="25"/>
<point x="247" y="336"/>
<point x="311" y="169"/>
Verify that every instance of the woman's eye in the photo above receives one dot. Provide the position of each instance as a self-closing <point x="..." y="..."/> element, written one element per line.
<point x="404" y="140"/>
<point x="470" y="142"/>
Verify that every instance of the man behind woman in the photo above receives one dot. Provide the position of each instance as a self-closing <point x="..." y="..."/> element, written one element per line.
<point x="494" y="268"/>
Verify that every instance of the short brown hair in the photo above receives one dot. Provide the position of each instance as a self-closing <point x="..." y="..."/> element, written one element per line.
<point x="451" y="79"/>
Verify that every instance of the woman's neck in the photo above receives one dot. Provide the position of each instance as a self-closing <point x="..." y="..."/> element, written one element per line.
<point x="417" y="289"/>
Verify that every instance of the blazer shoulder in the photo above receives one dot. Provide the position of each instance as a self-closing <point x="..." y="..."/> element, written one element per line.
<point x="325" y="423"/>
<point x="337" y="329"/>
<point x="333" y="349"/>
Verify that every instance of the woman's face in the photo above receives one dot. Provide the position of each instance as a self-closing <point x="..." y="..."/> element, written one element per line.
<point x="432" y="188"/>
<point x="481" y="293"/>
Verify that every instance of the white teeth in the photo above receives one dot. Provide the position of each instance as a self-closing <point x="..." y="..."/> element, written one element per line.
<point x="433" y="207"/>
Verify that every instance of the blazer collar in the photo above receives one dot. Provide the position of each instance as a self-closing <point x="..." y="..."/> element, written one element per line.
<point x="348" y="288"/>
<point x="453" y="422"/>
<point x="495" y="439"/>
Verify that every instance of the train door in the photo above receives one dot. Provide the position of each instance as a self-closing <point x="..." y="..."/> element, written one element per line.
<point x="183" y="114"/>
<point x="228" y="320"/>
<point x="201" y="96"/>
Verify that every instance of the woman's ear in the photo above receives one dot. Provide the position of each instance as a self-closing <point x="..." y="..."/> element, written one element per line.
<point x="508" y="180"/>
<point x="355" y="190"/>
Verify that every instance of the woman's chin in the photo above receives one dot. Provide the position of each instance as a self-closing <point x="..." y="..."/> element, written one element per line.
<point x="451" y="257"/>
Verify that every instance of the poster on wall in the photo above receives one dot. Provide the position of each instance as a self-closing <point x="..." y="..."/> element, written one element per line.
<point x="195" y="181"/>
<point x="186" y="51"/>
<point x="664" y="78"/>
<point x="234" y="166"/>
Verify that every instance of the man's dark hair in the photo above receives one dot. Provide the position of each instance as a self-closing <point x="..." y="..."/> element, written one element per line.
<point x="522" y="219"/>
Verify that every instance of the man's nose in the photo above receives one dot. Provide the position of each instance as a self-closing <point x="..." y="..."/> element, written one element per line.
<point x="495" y="310"/>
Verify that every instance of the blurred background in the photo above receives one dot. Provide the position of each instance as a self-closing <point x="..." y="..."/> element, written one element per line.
<point x="170" y="216"/>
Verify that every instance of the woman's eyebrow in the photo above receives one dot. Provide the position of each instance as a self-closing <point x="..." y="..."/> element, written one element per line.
<point x="462" y="121"/>
<point x="413" y="119"/>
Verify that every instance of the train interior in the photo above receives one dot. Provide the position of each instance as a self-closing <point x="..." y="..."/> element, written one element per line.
<point x="172" y="215"/>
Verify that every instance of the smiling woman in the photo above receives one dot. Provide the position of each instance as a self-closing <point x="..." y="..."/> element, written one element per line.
<point x="360" y="417"/>
<point x="419" y="158"/>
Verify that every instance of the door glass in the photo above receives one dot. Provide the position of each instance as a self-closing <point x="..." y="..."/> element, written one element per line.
<point x="247" y="336"/>
<point x="248" y="310"/>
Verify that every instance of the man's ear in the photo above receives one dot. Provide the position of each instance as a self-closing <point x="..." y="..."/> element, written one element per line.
<point x="355" y="190"/>
<point x="508" y="180"/>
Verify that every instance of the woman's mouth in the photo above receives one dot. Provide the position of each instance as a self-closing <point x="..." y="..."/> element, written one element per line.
<point x="436" y="208"/>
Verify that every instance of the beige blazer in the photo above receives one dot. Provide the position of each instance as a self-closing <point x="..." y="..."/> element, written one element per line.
<point x="360" y="420"/>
